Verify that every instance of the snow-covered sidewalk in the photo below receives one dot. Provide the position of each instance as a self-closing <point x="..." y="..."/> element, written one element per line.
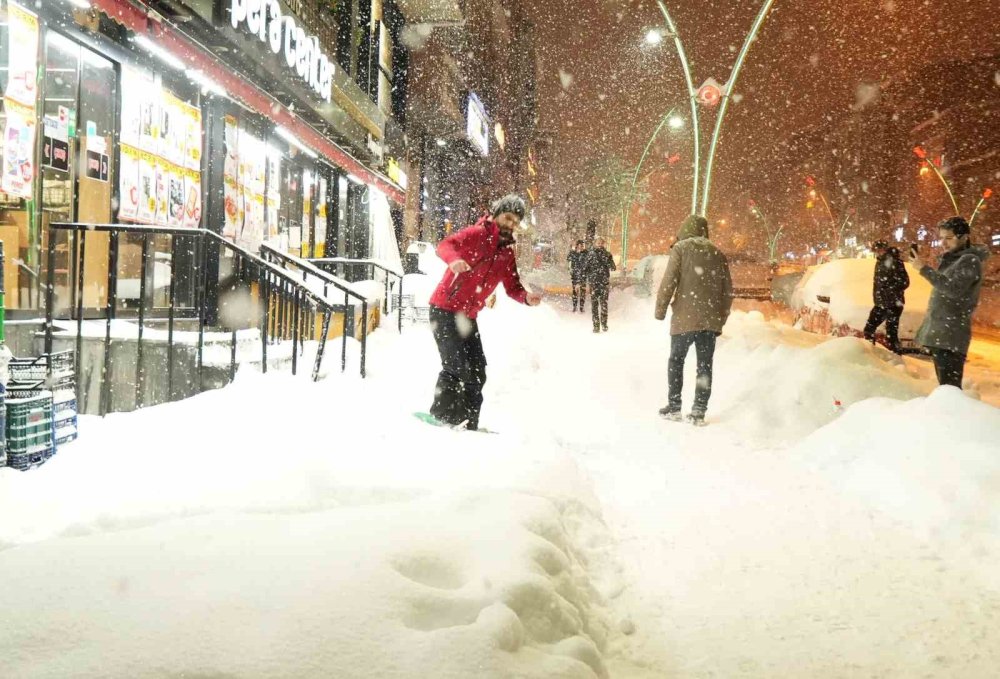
<point x="284" y="528"/>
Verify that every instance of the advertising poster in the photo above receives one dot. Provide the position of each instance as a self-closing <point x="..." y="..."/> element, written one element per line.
<point x="129" y="169"/>
<point x="22" y="61"/>
<point x="135" y="86"/>
<point x="175" y="196"/>
<point x="18" y="150"/>
<point x="192" y="201"/>
<point x="157" y="144"/>
<point x="162" y="197"/>
<point x="232" y="197"/>
<point x="273" y="194"/>
<point x="147" y="188"/>
<point x="192" y="144"/>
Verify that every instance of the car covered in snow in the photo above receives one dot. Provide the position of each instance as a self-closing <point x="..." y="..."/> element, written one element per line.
<point x="835" y="298"/>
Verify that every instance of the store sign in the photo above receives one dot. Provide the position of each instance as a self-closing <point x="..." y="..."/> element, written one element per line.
<point x="282" y="36"/>
<point x="478" y="127"/>
<point x="396" y="173"/>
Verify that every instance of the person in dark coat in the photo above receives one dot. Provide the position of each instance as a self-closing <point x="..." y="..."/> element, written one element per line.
<point x="698" y="289"/>
<point x="600" y="264"/>
<point x="888" y="294"/>
<point x="577" y="259"/>
<point x="947" y="328"/>
<point x="479" y="258"/>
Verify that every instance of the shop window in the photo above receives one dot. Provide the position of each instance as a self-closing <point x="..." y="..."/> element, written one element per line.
<point x="19" y="36"/>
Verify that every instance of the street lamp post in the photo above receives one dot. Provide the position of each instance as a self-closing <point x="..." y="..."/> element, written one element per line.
<point x="668" y="119"/>
<point x="724" y="105"/>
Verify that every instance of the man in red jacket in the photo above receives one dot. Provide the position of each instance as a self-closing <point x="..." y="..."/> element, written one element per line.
<point x="479" y="258"/>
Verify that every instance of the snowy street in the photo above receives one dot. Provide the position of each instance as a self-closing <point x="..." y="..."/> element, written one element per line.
<point x="338" y="536"/>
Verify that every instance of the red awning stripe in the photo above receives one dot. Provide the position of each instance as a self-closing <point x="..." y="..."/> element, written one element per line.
<point x="195" y="56"/>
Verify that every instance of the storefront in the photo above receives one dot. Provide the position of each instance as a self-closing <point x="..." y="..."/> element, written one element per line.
<point x="110" y="118"/>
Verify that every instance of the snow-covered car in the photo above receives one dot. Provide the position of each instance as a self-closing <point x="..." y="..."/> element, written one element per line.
<point x="835" y="298"/>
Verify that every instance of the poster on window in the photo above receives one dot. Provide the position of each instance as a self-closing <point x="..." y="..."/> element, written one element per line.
<point x="147" y="188"/>
<point x="174" y="176"/>
<point x="22" y="61"/>
<point x="192" y="144"/>
<point x="162" y="193"/>
<point x="137" y="88"/>
<point x="192" y="202"/>
<point x="273" y="202"/>
<point x="18" y="151"/>
<point x="129" y="184"/>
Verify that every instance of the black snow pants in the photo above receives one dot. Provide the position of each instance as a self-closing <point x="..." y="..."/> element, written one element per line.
<point x="458" y="396"/>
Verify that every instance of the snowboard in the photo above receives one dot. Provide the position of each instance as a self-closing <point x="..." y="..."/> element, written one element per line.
<point x="427" y="418"/>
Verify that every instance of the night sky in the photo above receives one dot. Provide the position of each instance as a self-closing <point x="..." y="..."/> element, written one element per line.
<point x="603" y="90"/>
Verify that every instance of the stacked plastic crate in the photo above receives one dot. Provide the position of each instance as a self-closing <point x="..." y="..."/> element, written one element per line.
<point x="40" y="408"/>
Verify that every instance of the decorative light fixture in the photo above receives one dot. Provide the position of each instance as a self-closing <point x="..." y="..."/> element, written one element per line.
<point x="675" y="122"/>
<point x="654" y="36"/>
<point x="294" y="141"/>
<point x="158" y="52"/>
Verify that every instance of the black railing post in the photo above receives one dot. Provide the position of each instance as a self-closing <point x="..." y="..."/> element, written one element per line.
<point x="170" y="318"/>
<point x="50" y="285"/>
<point x="202" y="309"/>
<point x="322" y="344"/>
<point x="364" y="334"/>
<point x="109" y="316"/>
<point x="80" y="265"/>
<point x="265" y="294"/>
<point x="142" y="317"/>
<point x="343" y="335"/>
<point x="295" y="332"/>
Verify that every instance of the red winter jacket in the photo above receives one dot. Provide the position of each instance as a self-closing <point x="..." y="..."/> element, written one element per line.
<point x="491" y="264"/>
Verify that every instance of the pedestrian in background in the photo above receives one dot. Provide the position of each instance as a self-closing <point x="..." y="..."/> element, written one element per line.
<point x="599" y="265"/>
<point x="577" y="259"/>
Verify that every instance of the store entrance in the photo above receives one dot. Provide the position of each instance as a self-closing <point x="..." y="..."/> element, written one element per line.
<point x="77" y="172"/>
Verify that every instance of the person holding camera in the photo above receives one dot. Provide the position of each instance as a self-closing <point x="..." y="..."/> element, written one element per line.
<point x="947" y="328"/>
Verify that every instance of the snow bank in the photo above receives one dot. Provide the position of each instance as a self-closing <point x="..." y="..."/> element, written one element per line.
<point x="847" y="283"/>
<point x="931" y="463"/>
<point x="777" y="384"/>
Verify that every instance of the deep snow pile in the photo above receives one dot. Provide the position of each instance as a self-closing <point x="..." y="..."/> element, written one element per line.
<point x="284" y="528"/>
<point x="848" y="285"/>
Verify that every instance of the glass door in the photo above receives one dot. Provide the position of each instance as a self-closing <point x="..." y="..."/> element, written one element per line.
<point x="78" y="112"/>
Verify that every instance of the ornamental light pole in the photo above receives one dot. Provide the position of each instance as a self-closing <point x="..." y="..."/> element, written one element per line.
<point x="721" y="97"/>
<point x="668" y="120"/>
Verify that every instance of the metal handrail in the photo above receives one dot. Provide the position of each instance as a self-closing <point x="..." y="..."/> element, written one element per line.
<point x="295" y="304"/>
<point x="375" y="265"/>
<point x="328" y="279"/>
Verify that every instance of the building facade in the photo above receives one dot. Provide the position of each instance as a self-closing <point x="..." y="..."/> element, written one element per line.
<point x="256" y="119"/>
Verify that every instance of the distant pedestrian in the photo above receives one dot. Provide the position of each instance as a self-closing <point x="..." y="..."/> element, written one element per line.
<point x="947" y="328"/>
<point x="479" y="258"/>
<point x="600" y="264"/>
<point x="577" y="259"/>
<point x="889" y="285"/>
<point x="699" y="289"/>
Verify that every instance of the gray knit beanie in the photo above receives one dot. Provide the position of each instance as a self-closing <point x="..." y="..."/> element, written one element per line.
<point x="512" y="203"/>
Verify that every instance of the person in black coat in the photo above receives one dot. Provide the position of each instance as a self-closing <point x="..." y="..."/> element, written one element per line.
<point x="577" y="259"/>
<point x="600" y="264"/>
<point x="888" y="293"/>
